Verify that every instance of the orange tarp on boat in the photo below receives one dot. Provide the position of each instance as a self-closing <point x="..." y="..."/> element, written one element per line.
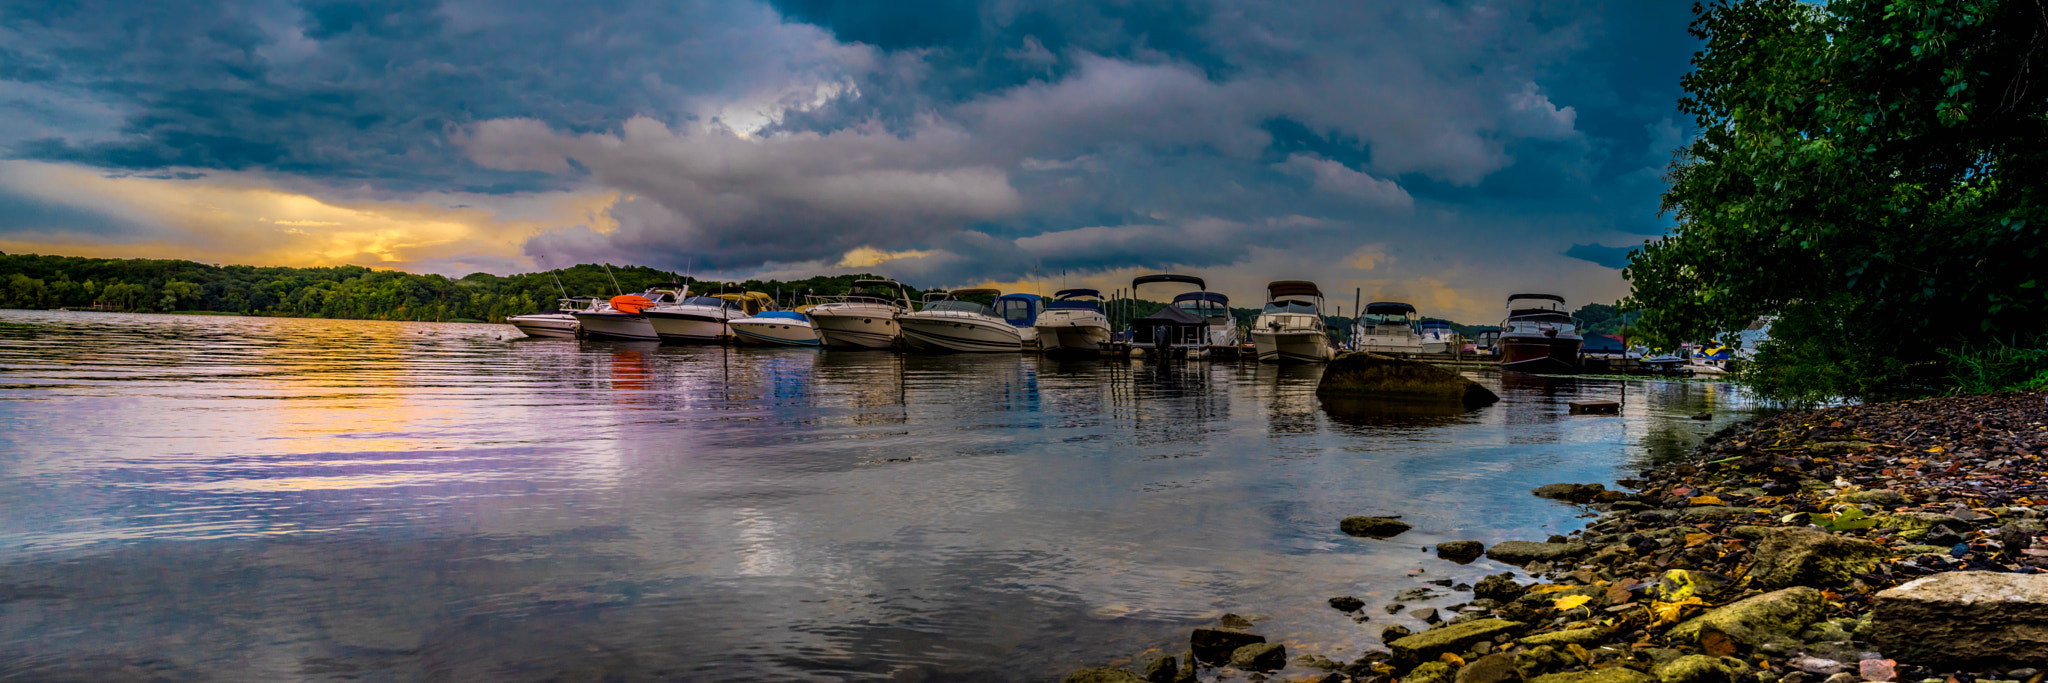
<point x="631" y="303"/>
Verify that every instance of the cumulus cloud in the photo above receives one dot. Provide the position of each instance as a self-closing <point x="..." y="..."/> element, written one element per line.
<point x="1334" y="178"/>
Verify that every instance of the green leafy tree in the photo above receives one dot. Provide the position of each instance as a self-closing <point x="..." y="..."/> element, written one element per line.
<point x="1869" y="171"/>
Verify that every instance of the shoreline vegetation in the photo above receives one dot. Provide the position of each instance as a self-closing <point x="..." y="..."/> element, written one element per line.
<point x="1883" y="542"/>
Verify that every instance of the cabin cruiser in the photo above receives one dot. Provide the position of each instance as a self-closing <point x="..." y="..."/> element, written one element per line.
<point x="1213" y="308"/>
<point x="775" y="328"/>
<point x="1538" y="335"/>
<point x="1290" y="329"/>
<point x="1073" y="324"/>
<point x="1437" y="336"/>
<point x="1387" y="327"/>
<point x="624" y="317"/>
<point x="1173" y="331"/>
<point x="559" y="323"/>
<point x="949" y="322"/>
<point x="863" y="319"/>
<point x="1021" y="311"/>
<point x="702" y="319"/>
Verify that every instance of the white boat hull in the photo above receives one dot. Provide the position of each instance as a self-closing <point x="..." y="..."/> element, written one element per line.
<point x="1291" y="347"/>
<point x="690" y="324"/>
<point x="616" y="326"/>
<point x="960" y="333"/>
<point x="1073" y="339"/>
<point x="856" y="328"/>
<point x="774" y="332"/>
<point x="546" y="325"/>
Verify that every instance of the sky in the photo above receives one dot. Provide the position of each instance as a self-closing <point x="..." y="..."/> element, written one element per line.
<point x="1441" y="153"/>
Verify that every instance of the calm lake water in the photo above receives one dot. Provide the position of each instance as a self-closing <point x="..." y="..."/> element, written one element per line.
<point x="201" y="498"/>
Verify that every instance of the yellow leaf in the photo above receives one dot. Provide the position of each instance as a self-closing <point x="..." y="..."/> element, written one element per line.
<point x="1580" y="652"/>
<point x="1671" y="612"/>
<point x="1696" y="539"/>
<point x="1550" y="588"/>
<point x="1572" y="601"/>
<point x="1937" y="449"/>
<point x="1452" y="659"/>
<point x="1707" y="500"/>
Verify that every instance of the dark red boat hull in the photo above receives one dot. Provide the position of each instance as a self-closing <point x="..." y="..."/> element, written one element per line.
<point x="1539" y="353"/>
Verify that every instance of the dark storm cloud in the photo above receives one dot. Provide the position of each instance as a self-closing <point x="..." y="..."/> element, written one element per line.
<point x="1611" y="257"/>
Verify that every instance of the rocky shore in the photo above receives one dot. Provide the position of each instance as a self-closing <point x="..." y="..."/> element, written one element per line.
<point x="1886" y="542"/>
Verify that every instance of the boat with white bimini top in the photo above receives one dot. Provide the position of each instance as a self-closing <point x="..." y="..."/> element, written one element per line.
<point x="1538" y="335"/>
<point x="702" y="319"/>
<point x="1073" y="324"/>
<point x="951" y="323"/>
<point x="624" y="318"/>
<point x="1291" y="329"/>
<point x="556" y="324"/>
<point x="863" y="319"/>
<point x="775" y="328"/>
<point x="1387" y="327"/>
<point x="1172" y="331"/>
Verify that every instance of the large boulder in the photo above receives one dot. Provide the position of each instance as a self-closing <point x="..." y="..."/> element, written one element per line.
<point x="1520" y="553"/>
<point x="1103" y="674"/>
<point x="1215" y="645"/>
<point x="1432" y="643"/>
<point x="1260" y="657"/>
<point x="1373" y="527"/>
<point x="1370" y="375"/>
<point x="1811" y="557"/>
<point x="1965" y="618"/>
<point x="1769" y="618"/>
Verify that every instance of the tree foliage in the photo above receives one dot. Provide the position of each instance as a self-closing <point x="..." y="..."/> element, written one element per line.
<point x="1869" y="171"/>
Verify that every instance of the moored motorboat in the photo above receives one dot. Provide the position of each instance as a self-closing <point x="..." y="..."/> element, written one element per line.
<point x="624" y="318"/>
<point x="1214" y="308"/>
<point x="1021" y="311"/>
<point x="950" y="323"/>
<point x="1387" y="327"/>
<point x="556" y="324"/>
<point x="775" y="328"/>
<point x="1538" y="335"/>
<point x="1073" y="324"/>
<point x="1173" y="331"/>
<point x="863" y="319"/>
<point x="1291" y="329"/>
<point x="1437" y="336"/>
<point x="703" y="319"/>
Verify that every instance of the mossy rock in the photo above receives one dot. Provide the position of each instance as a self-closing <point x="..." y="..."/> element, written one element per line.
<point x="1769" y="618"/>
<point x="1260" y="657"/>
<point x="1612" y="674"/>
<point x="1583" y="637"/>
<point x="1370" y="375"/>
<point x="1373" y="527"/>
<point x="1103" y="674"/>
<point x="1432" y="643"/>
<point x="1431" y="672"/>
<point x="1809" y="557"/>
<point x="1703" y="669"/>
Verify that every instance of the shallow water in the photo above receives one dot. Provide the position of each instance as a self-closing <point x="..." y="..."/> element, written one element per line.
<point x="195" y="498"/>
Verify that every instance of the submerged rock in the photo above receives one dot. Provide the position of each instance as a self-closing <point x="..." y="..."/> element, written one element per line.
<point x="1524" y="552"/>
<point x="1965" y="618"/>
<point x="1461" y="552"/>
<point x="1373" y="527"/>
<point x="1576" y="493"/>
<point x="1215" y="645"/>
<point x="1260" y="657"/>
<point x="1370" y="375"/>
<point x="1810" y="557"/>
<point x="1769" y="618"/>
<point x="1347" y="604"/>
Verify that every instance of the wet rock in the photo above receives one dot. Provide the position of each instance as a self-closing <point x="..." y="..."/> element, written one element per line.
<point x="1414" y="594"/>
<point x="1431" y="672"/>
<point x="1759" y="620"/>
<point x="1395" y="632"/>
<point x="1584" y="637"/>
<point x="1965" y="617"/>
<point x="1373" y="527"/>
<point x="1575" y="493"/>
<point x="1162" y="670"/>
<point x="1427" y="615"/>
<point x="1260" y="657"/>
<point x="1232" y="620"/>
<point x="1614" y="674"/>
<point x="1540" y="660"/>
<point x="1844" y="677"/>
<point x="1702" y="669"/>
<point x="1809" y="557"/>
<point x="1885" y="497"/>
<point x="1916" y="525"/>
<point x="1884" y="670"/>
<point x="1454" y="638"/>
<point x="1461" y="552"/>
<point x="1370" y="375"/>
<point x="1103" y="674"/>
<point x="1216" y="645"/>
<point x="1501" y="587"/>
<point x="1347" y="604"/>
<point x="1318" y="662"/>
<point x="1494" y="668"/>
<point x="1521" y="553"/>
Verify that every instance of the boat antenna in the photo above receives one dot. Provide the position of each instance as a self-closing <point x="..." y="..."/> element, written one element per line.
<point x="1358" y="302"/>
<point x="558" y="284"/>
<point x="615" y="279"/>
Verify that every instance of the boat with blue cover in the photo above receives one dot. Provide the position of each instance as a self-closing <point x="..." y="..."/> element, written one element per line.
<point x="775" y="328"/>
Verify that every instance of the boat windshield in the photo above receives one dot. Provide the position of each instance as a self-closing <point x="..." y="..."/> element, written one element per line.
<point x="1378" y="320"/>
<point x="1073" y="305"/>
<point x="1290" y="307"/>
<point x="711" y="301"/>
<point x="1206" y="309"/>
<point x="958" y="306"/>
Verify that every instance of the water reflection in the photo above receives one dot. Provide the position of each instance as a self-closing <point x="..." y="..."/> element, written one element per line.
<point x="256" y="498"/>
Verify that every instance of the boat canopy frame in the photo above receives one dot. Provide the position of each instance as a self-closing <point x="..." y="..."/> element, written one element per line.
<point x="1169" y="277"/>
<point x="1284" y="288"/>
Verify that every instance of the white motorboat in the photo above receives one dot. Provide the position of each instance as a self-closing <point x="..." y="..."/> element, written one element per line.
<point x="1437" y="336"/>
<point x="863" y="319"/>
<point x="1387" y="327"/>
<point x="1021" y="311"/>
<point x="556" y="324"/>
<point x="703" y="319"/>
<point x="1291" y="329"/>
<point x="1214" y="308"/>
<point x="775" y="328"/>
<point x="1073" y="324"/>
<point x="624" y="318"/>
<point x="950" y="323"/>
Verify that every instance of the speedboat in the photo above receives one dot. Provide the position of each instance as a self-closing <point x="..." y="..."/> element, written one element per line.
<point x="1214" y="308"/>
<point x="1437" y="336"/>
<point x="624" y="318"/>
<point x="1172" y="331"/>
<point x="702" y="319"/>
<point x="1021" y="311"/>
<point x="775" y="328"/>
<point x="1073" y="324"/>
<point x="1388" y="327"/>
<point x="1290" y="329"/>
<point x="1538" y="335"/>
<point x="863" y="319"/>
<point x="949" y="322"/>
<point x="557" y="324"/>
